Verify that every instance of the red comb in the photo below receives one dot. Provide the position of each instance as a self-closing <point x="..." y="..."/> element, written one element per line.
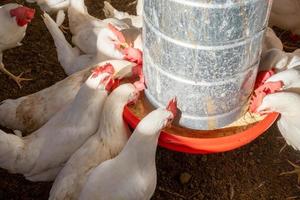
<point x="23" y="15"/>
<point x="262" y="91"/>
<point x="107" y="68"/>
<point x="172" y="106"/>
<point x="133" y="55"/>
<point x="137" y="70"/>
<point x="119" y="35"/>
<point x="262" y="77"/>
<point x="112" y="84"/>
<point x="140" y="84"/>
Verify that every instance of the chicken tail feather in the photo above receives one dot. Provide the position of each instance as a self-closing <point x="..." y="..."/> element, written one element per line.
<point x="60" y="17"/>
<point x="65" y="52"/>
<point x="108" y="10"/>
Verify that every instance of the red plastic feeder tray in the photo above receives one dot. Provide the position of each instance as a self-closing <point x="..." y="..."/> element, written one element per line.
<point x="200" y="142"/>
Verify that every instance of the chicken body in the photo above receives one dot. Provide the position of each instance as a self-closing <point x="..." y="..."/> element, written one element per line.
<point x="13" y="19"/>
<point x="30" y="112"/>
<point x="73" y="59"/>
<point x="86" y="30"/>
<point x="133" y="34"/>
<point x="41" y="155"/>
<point x="280" y="60"/>
<point x="288" y="105"/>
<point x="51" y="5"/>
<point x="11" y="34"/>
<point x="271" y="41"/>
<point x="140" y="7"/>
<point x="109" y="140"/>
<point x="133" y="20"/>
<point x="70" y="58"/>
<point x="286" y="15"/>
<point x="289" y="77"/>
<point x="132" y="174"/>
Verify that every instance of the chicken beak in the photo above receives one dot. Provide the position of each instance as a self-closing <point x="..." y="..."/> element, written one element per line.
<point x="123" y="72"/>
<point x="264" y="111"/>
<point x="121" y="46"/>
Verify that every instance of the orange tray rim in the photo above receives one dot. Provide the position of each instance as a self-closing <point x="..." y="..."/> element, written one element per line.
<point x="207" y="145"/>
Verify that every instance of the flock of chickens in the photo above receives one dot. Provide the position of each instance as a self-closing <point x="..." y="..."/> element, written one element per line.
<point x="78" y="136"/>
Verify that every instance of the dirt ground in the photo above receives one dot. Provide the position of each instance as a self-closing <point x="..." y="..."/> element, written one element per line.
<point x="249" y="173"/>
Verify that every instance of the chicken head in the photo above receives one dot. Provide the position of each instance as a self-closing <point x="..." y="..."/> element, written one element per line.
<point x="23" y="15"/>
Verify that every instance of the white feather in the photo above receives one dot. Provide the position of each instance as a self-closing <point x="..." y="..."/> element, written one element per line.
<point x="273" y="58"/>
<point x="139" y="7"/>
<point x="40" y="154"/>
<point x="60" y="17"/>
<point x="11" y="34"/>
<point x="111" y="12"/>
<point x="53" y="5"/>
<point x="105" y="144"/>
<point x="290" y="78"/>
<point x="290" y="131"/>
<point x="288" y="105"/>
<point x="30" y="112"/>
<point x="132" y="174"/>
<point x="271" y="41"/>
<point x="86" y="30"/>
<point x="71" y="59"/>
<point x="280" y="60"/>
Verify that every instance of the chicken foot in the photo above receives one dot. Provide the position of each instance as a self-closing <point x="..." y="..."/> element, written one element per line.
<point x="295" y="171"/>
<point x="64" y="29"/>
<point x="18" y="79"/>
<point x="60" y="18"/>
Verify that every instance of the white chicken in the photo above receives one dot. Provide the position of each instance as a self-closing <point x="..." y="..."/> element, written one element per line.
<point x="71" y="58"/>
<point x="111" y="43"/>
<point x="85" y="27"/>
<point x="54" y="6"/>
<point x="286" y="15"/>
<point x="133" y="20"/>
<point x="273" y="58"/>
<point x="139" y="7"/>
<point x="287" y="104"/>
<point x="289" y="77"/>
<point x="41" y="155"/>
<point x="14" y="19"/>
<point x="109" y="140"/>
<point x="280" y="60"/>
<point x="51" y="5"/>
<point x="288" y="80"/>
<point x="132" y="174"/>
<point x="30" y="112"/>
<point x="133" y="35"/>
<point x="271" y="41"/>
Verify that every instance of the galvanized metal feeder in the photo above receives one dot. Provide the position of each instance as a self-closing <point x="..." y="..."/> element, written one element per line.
<point x="206" y="53"/>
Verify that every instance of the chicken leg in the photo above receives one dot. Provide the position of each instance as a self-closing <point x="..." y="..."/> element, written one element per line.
<point x="60" y="18"/>
<point x="18" y="79"/>
<point x="295" y="171"/>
